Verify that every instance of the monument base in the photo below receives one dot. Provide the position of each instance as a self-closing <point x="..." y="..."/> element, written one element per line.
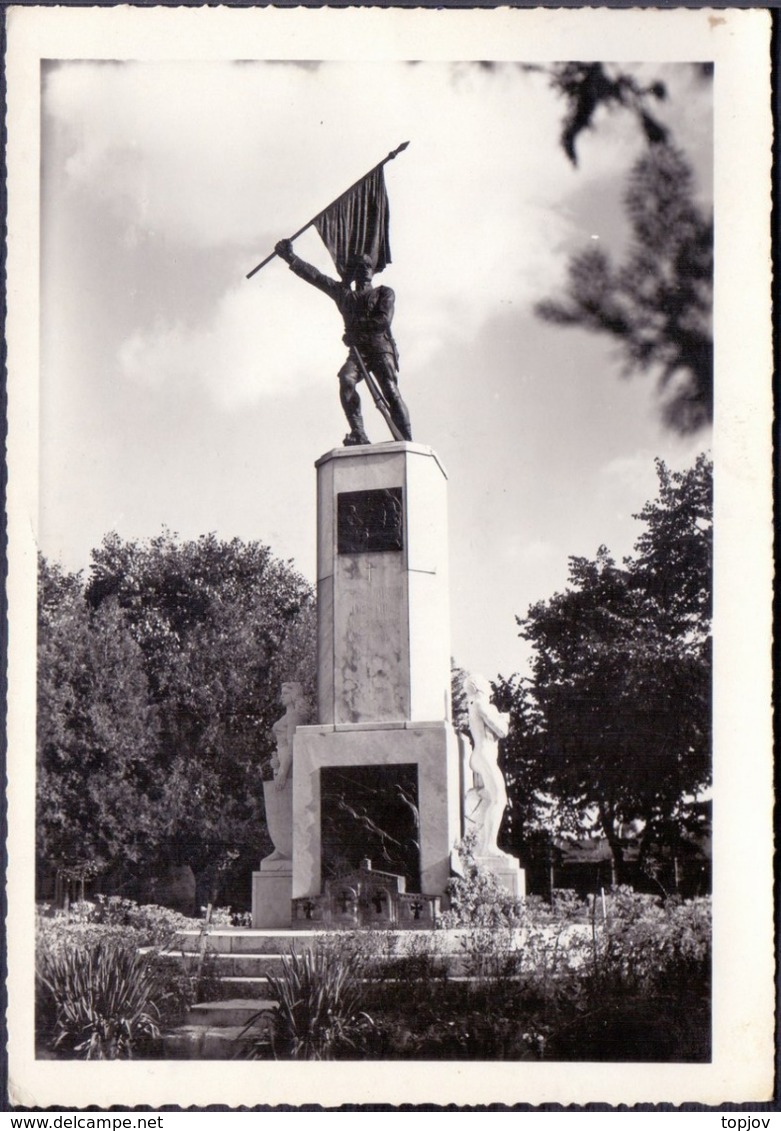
<point x="507" y="871"/>
<point x="272" y="892"/>
<point x="430" y="747"/>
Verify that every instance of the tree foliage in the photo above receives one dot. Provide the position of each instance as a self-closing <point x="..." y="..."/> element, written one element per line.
<point x="589" y="87"/>
<point x="159" y="685"/>
<point x="657" y="304"/>
<point x="615" y="724"/>
<point x="96" y="732"/>
<point x="458" y="703"/>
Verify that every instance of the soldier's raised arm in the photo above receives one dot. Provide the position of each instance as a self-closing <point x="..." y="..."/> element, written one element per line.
<point x="306" y="271"/>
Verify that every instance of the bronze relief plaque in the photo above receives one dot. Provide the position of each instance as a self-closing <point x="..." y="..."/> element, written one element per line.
<point x="370" y="521"/>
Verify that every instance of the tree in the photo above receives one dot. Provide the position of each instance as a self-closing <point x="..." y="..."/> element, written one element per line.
<point x="674" y="563"/>
<point x="221" y="625"/>
<point x="158" y="685"/>
<point x="589" y="87"/>
<point x="657" y="304"/>
<point x="95" y="737"/>
<point x="522" y="761"/>
<point x="458" y="705"/>
<point x="615" y="722"/>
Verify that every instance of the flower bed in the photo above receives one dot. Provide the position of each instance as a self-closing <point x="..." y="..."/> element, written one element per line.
<point x="626" y="978"/>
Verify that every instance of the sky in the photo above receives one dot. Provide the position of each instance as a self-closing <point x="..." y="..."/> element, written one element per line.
<point x="174" y="392"/>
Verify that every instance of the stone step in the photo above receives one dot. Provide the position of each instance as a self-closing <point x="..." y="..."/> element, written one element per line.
<point x="227" y="1014"/>
<point x="229" y="964"/>
<point x="245" y="940"/>
<point x="241" y="981"/>
<point x="217" y="1030"/>
<point x="251" y="969"/>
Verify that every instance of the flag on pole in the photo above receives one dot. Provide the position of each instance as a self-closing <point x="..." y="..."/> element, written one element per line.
<point x="358" y="223"/>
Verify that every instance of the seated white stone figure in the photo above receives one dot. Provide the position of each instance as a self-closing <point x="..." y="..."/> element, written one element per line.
<point x="486" y="801"/>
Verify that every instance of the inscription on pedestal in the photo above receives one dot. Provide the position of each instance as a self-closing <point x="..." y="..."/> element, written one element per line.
<point x="370" y="521"/>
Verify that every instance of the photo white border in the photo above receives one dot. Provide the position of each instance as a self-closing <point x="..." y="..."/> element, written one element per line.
<point x="737" y="41"/>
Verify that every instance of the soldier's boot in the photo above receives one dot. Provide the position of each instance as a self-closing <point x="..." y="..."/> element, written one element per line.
<point x="351" y="404"/>
<point x="357" y="434"/>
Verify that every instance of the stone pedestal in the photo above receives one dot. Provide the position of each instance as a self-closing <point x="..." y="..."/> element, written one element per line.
<point x="272" y="891"/>
<point x="382" y="585"/>
<point x="429" y="746"/>
<point x="507" y="871"/>
<point x="383" y="647"/>
<point x="272" y="886"/>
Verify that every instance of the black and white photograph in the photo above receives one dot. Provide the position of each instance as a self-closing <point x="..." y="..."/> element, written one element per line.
<point x="390" y="526"/>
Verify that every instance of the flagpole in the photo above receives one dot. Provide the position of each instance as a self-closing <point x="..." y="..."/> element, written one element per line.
<point x="315" y="218"/>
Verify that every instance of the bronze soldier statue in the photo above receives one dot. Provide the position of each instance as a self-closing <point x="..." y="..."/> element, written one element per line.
<point x="367" y="312"/>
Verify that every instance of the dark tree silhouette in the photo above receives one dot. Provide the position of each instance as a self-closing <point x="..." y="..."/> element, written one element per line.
<point x="96" y="734"/>
<point x="657" y="304"/>
<point x="159" y="682"/>
<point x="615" y="723"/>
<point x="588" y="87"/>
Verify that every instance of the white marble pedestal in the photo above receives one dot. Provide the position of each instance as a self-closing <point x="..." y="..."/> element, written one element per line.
<point x="272" y="891"/>
<point x="431" y="746"/>
<point x="383" y="667"/>
<point x="507" y="871"/>
<point x="382" y="585"/>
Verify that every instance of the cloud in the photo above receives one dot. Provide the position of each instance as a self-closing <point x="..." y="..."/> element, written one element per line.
<point x="522" y="549"/>
<point x="625" y="484"/>
<point x="208" y="157"/>
<point x="245" y="353"/>
<point x="213" y="156"/>
<point x="210" y="153"/>
<point x="183" y="147"/>
<point x="635" y="474"/>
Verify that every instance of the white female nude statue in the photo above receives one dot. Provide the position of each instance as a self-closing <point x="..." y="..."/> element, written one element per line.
<point x="297" y="710"/>
<point x="485" y="803"/>
<point x="279" y="793"/>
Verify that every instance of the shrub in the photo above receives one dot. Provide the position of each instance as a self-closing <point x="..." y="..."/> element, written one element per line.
<point x="477" y="899"/>
<point x="386" y="957"/>
<point x="157" y="926"/>
<point x="491" y="954"/>
<point x="102" y="1000"/>
<point x="319" y="1013"/>
<point x="86" y="923"/>
<point x="569" y="983"/>
<point x="646" y="985"/>
<point x="226" y="917"/>
<point x="653" y="947"/>
<point x="565" y="906"/>
<point x="88" y="935"/>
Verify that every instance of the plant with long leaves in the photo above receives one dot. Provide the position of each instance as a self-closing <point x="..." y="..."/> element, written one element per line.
<point x="318" y="1000"/>
<point x="103" y="1000"/>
